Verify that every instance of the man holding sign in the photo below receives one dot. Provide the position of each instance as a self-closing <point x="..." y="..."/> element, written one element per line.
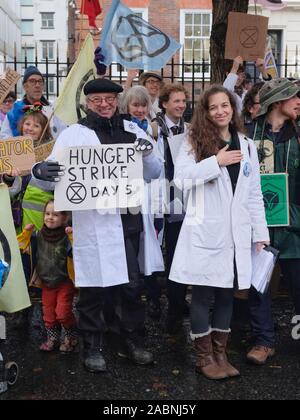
<point x="105" y="244"/>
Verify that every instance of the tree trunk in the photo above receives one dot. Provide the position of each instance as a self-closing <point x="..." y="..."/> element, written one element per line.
<point x="221" y="9"/>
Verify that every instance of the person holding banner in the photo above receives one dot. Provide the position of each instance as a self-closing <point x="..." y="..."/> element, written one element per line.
<point x="213" y="252"/>
<point x="277" y="139"/>
<point x="106" y="245"/>
<point x="33" y="84"/>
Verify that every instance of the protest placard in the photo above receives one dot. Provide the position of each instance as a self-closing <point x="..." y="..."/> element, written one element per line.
<point x="43" y="151"/>
<point x="246" y="36"/>
<point x="7" y="83"/>
<point x="17" y="153"/>
<point x="275" y="189"/>
<point x="104" y="177"/>
<point x="13" y="291"/>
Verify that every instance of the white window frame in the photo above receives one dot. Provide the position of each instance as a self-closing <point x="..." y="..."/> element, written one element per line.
<point x="47" y="27"/>
<point x="27" y="52"/>
<point x="184" y="12"/>
<point x="22" y="28"/>
<point x="144" y="11"/>
<point x="51" y="80"/>
<point x="42" y="47"/>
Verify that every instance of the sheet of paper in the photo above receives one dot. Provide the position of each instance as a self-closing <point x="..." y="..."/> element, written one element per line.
<point x="262" y="269"/>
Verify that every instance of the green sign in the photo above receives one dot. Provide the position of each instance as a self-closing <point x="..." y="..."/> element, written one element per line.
<point x="276" y="199"/>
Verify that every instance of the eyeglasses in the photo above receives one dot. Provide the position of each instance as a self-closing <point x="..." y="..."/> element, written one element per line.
<point x="8" y="101"/>
<point x="98" y="101"/>
<point x="153" y="82"/>
<point x="33" y="82"/>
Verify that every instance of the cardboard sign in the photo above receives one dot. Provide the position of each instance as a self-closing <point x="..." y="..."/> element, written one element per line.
<point x="43" y="151"/>
<point x="104" y="177"/>
<point x="246" y="36"/>
<point x="276" y="198"/>
<point x="17" y="153"/>
<point x="265" y="150"/>
<point x="7" y="83"/>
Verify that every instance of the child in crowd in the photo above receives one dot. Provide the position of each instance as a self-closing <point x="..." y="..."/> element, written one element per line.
<point x="54" y="272"/>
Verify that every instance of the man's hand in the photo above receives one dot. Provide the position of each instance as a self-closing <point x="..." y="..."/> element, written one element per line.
<point x="48" y="171"/>
<point x="226" y="158"/>
<point x="237" y="62"/>
<point x="260" y="65"/>
<point x="144" y="146"/>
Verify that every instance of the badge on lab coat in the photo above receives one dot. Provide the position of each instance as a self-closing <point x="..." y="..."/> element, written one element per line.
<point x="130" y="127"/>
<point x="247" y="169"/>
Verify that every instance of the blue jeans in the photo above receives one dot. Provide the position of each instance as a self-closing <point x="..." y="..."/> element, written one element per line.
<point x="261" y="320"/>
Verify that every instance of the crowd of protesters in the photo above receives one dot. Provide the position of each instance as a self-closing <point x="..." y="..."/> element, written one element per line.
<point x="118" y="257"/>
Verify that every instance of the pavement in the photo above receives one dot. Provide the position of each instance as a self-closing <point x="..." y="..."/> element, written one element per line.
<point x="171" y="377"/>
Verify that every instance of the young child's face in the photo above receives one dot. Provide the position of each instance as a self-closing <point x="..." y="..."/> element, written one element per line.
<point x="54" y="219"/>
<point x="32" y="128"/>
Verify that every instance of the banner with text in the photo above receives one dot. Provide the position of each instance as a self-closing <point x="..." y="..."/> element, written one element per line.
<point x="8" y="80"/>
<point x="105" y="177"/>
<point x="17" y="153"/>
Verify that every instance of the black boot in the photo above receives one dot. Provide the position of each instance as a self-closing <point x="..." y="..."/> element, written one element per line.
<point x="92" y="357"/>
<point x="130" y="350"/>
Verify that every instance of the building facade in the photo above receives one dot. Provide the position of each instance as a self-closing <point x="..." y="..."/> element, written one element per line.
<point x="44" y="30"/>
<point x="10" y="31"/>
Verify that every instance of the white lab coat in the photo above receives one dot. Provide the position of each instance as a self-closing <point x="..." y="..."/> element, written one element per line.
<point x="207" y="246"/>
<point x="98" y="247"/>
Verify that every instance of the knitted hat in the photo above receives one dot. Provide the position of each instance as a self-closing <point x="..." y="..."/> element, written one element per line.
<point x="29" y="72"/>
<point x="276" y="90"/>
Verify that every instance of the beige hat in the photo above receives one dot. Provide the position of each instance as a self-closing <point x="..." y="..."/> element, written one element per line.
<point x="146" y="75"/>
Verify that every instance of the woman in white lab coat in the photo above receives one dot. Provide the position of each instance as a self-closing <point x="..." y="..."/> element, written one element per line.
<point x="219" y="165"/>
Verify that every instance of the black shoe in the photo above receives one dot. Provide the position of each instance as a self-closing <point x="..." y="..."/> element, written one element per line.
<point x="94" y="361"/>
<point x="154" y="310"/>
<point x="138" y="355"/>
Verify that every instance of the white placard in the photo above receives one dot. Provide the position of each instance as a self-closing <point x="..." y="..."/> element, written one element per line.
<point x="104" y="177"/>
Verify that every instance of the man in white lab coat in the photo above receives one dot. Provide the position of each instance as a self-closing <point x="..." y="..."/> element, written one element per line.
<point x="106" y="245"/>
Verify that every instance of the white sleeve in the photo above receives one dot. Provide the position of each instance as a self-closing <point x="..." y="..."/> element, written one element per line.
<point x="5" y="132"/>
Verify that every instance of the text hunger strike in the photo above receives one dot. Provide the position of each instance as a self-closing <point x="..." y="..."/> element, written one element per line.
<point x="108" y="155"/>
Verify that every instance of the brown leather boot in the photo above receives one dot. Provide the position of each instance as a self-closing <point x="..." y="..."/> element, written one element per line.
<point x="206" y="362"/>
<point x="219" y="341"/>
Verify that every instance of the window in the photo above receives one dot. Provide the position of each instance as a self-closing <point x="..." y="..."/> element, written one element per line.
<point x="47" y="20"/>
<point x="27" y="27"/>
<point x="28" y="53"/>
<point x="51" y="85"/>
<point x="48" y="50"/>
<point x="195" y="31"/>
<point x="26" y="3"/>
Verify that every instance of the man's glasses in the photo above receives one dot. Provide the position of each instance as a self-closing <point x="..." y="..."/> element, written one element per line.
<point x="98" y="101"/>
<point x="33" y="82"/>
<point x="8" y="101"/>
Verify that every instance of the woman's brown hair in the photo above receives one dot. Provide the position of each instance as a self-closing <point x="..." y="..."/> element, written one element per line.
<point x="204" y="136"/>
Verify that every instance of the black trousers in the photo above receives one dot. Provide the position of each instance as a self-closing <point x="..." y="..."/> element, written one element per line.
<point x="291" y="272"/>
<point x="119" y="308"/>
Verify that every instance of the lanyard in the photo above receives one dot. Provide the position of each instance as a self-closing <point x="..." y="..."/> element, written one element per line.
<point x="262" y="142"/>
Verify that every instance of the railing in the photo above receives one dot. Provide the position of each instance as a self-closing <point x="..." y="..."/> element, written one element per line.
<point x="194" y="75"/>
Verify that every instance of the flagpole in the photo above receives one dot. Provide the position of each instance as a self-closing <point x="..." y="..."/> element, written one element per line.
<point x="81" y="23"/>
<point x="45" y="129"/>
